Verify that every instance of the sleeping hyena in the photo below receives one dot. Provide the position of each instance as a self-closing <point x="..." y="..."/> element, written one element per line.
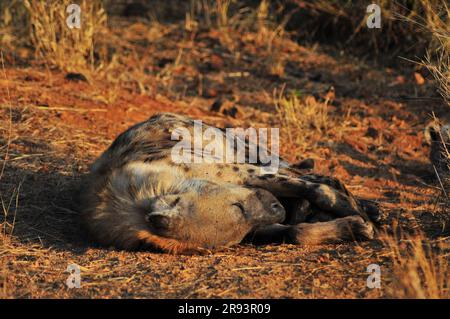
<point x="137" y="197"/>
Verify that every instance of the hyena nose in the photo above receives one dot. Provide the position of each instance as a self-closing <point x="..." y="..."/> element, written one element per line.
<point x="277" y="208"/>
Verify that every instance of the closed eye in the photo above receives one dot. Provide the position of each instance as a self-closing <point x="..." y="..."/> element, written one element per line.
<point x="175" y="202"/>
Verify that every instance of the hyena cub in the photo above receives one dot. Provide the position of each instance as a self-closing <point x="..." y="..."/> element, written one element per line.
<point x="136" y="196"/>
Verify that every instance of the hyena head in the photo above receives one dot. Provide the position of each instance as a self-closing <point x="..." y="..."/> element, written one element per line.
<point x="209" y="215"/>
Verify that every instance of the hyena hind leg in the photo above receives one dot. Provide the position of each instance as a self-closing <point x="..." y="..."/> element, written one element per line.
<point x="339" y="230"/>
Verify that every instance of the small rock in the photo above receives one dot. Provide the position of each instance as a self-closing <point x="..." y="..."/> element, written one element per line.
<point x="216" y="62"/>
<point x="215" y="107"/>
<point x="419" y="78"/>
<point x="372" y="132"/>
<point x="232" y="111"/>
<point x="77" y="77"/>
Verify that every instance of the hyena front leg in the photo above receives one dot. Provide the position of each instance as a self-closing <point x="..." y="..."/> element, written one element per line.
<point x="372" y="210"/>
<point x="336" y="231"/>
<point x="322" y="196"/>
<point x="300" y="210"/>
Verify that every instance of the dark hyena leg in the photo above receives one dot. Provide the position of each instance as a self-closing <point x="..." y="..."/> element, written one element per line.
<point x="300" y="210"/>
<point x="369" y="207"/>
<point x="319" y="216"/>
<point x="324" y="197"/>
<point x="336" y="231"/>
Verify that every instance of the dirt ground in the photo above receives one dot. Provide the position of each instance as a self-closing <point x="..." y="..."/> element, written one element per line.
<point x="53" y="127"/>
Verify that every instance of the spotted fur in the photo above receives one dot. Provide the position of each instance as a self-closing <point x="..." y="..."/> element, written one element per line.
<point x="135" y="197"/>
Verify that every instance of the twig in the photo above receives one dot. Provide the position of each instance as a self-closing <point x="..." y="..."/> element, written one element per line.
<point x="440" y="182"/>
<point x="44" y="108"/>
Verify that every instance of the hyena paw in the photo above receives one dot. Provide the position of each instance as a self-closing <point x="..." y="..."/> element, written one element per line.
<point x="372" y="210"/>
<point x="336" y="231"/>
<point x="355" y="228"/>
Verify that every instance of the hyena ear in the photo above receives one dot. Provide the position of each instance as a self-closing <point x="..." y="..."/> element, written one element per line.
<point x="163" y="220"/>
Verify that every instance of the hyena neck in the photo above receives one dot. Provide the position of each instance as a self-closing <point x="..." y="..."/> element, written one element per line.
<point x="159" y="178"/>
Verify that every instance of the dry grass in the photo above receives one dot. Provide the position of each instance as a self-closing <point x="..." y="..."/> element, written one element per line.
<point x="441" y="161"/>
<point x="270" y="36"/>
<point x="333" y="21"/>
<point x="440" y="68"/>
<point x="150" y="59"/>
<point x="420" y="268"/>
<point x="99" y="52"/>
<point x="8" y="214"/>
<point x="436" y="23"/>
<point x="301" y="118"/>
<point x="233" y="19"/>
<point x="220" y="14"/>
<point x="213" y="15"/>
<point x="6" y="226"/>
<point x="14" y="24"/>
<point x="69" y="49"/>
